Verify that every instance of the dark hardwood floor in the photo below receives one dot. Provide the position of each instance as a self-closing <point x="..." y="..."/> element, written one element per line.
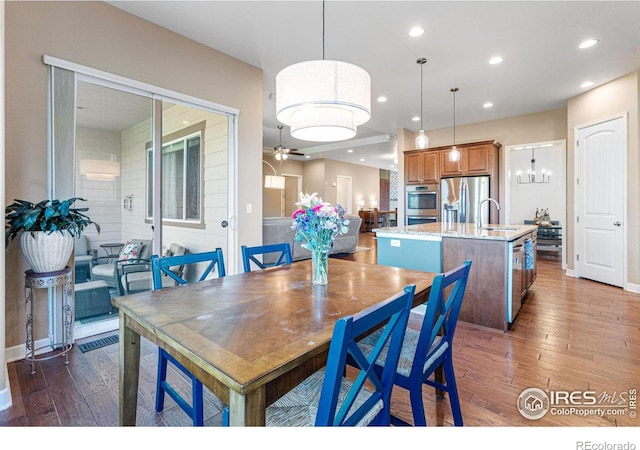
<point x="571" y="335"/>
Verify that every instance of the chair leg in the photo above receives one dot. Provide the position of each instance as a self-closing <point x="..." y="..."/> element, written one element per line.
<point x="417" y="407"/>
<point x="197" y="402"/>
<point x="225" y="416"/>
<point x="162" y="376"/>
<point x="452" y="389"/>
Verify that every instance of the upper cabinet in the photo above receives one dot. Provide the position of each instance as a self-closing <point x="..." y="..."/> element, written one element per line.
<point x="421" y="167"/>
<point x="479" y="158"/>
<point x="430" y="165"/>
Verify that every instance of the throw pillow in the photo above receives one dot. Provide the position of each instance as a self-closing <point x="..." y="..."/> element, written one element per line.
<point x="130" y="251"/>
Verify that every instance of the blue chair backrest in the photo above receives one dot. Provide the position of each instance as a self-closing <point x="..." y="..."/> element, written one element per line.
<point x="441" y="316"/>
<point x="162" y="266"/>
<point x="344" y="348"/>
<point x="249" y="254"/>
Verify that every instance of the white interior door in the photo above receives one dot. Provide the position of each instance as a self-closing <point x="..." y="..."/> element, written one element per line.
<point x="343" y="192"/>
<point x="600" y="193"/>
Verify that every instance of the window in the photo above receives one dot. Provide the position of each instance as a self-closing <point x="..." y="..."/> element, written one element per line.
<point x="181" y="177"/>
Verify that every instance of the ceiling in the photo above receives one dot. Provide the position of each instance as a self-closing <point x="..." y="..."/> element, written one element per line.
<point x="542" y="68"/>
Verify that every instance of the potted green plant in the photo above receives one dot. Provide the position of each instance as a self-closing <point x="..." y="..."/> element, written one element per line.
<point x="47" y="229"/>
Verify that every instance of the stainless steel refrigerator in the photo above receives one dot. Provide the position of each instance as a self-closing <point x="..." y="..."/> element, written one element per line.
<point x="460" y="198"/>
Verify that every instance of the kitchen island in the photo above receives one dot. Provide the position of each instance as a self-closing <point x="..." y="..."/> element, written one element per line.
<point x="502" y="270"/>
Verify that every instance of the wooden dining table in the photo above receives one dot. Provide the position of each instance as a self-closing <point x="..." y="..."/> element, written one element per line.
<point x="251" y="337"/>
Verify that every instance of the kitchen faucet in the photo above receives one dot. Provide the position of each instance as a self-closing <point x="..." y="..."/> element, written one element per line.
<point x="479" y="216"/>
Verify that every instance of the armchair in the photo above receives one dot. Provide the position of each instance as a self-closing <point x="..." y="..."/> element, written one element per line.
<point x="107" y="267"/>
<point x="137" y="277"/>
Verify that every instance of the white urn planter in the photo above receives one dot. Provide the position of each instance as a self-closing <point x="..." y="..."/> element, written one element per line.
<point x="46" y="252"/>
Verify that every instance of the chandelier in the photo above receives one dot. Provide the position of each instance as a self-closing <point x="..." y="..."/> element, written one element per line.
<point x="323" y="100"/>
<point x="531" y="173"/>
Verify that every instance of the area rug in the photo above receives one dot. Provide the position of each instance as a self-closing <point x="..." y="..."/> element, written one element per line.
<point x="98" y="343"/>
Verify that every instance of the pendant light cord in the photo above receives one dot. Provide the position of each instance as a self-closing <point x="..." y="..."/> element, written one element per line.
<point x="421" y="61"/>
<point x="454" y="117"/>
<point x="421" y="96"/>
<point x="454" y="90"/>
<point x="323" y="30"/>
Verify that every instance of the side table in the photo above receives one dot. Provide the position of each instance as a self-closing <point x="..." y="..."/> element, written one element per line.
<point x="49" y="280"/>
<point x="112" y="249"/>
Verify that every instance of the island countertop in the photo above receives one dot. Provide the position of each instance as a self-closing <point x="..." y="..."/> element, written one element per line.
<point x="496" y="232"/>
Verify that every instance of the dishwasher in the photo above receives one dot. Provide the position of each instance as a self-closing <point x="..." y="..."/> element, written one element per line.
<point x="516" y="286"/>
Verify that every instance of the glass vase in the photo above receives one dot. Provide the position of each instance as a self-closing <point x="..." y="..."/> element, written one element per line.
<point x="319" y="267"/>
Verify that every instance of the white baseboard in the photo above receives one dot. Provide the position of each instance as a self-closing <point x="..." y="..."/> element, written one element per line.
<point x="18" y="352"/>
<point x="5" y="394"/>
<point x="570" y="273"/>
<point x="92" y="329"/>
<point x="631" y="287"/>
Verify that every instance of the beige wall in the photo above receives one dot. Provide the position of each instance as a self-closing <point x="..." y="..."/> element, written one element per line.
<point x="365" y="183"/>
<point x="616" y="97"/>
<point x="97" y="35"/>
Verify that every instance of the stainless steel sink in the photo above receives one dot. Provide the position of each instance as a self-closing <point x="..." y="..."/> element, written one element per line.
<point x="499" y="228"/>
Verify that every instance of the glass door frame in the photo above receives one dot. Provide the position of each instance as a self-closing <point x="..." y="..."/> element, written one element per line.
<point x="157" y="95"/>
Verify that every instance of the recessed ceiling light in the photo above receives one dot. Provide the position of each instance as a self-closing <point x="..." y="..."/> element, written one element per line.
<point x="487" y="105"/>
<point x="350" y="150"/>
<point x="382" y="99"/>
<point x="586" y="84"/>
<point x="416" y="118"/>
<point x="307" y="156"/>
<point x="361" y="159"/>
<point x="496" y="60"/>
<point x="588" y="43"/>
<point x="416" y="31"/>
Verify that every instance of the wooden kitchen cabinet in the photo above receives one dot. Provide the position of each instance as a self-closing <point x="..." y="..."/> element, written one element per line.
<point x="421" y="167"/>
<point x="479" y="158"/>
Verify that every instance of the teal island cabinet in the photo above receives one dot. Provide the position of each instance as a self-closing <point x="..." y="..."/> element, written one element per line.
<point x="503" y="263"/>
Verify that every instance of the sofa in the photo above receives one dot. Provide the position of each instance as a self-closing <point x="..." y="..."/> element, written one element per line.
<point x="278" y="229"/>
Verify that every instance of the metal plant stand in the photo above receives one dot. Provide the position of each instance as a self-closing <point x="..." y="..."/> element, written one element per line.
<point x="49" y="280"/>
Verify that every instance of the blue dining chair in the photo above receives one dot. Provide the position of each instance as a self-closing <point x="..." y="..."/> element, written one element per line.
<point x="278" y="253"/>
<point x="431" y="347"/>
<point x="359" y="399"/>
<point x="163" y="267"/>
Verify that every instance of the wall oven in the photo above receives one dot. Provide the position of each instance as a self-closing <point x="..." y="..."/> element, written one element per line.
<point x="422" y="204"/>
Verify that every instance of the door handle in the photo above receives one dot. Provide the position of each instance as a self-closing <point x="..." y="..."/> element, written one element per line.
<point x="617" y="223"/>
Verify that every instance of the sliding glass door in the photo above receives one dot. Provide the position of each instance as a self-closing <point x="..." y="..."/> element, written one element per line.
<point x="151" y="170"/>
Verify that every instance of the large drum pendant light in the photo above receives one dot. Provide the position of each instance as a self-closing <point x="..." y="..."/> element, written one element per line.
<point x="323" y="100"/>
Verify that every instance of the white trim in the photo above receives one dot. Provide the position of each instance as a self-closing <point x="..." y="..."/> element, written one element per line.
<point x="571" y="273"/>
<point x="104" y="326"/>
<point x="631" y="287"/>
<point x="233" y="261"/>
<point x="5" y="394"/>
<point x="562" y="143"/>
<point x="577" y="242"/>
<point x="160" y="93"/>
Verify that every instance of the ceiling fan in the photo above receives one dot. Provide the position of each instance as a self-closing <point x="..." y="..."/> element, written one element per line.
<point x="282" y="153"/>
